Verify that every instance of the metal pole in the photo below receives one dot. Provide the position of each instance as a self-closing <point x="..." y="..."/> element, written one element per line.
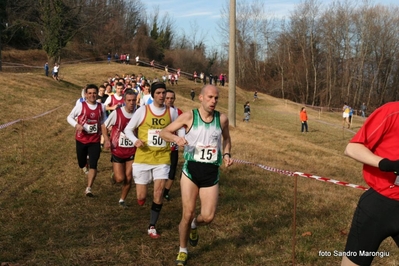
<point x="232" y="65"/>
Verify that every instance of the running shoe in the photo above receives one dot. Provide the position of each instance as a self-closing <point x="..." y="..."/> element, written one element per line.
<point x="167" y="197"/>
<point x="194" y="237"/>
<point x="113" y="182"/>
<point x="85" y="169"/>
<point x="122" y="204"/>
<point x="88" y="192"/>
<point x="181" y="259"/>
<point x="152" y="232"/>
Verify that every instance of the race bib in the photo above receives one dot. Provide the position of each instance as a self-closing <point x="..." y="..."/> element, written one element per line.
<point x="125" y="142"/>
<point x="205" y="154"/>
<point x="154" y="140"/>
<point x="90" y="128"/>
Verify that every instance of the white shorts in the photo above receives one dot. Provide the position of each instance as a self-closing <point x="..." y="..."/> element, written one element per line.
<point x="144" y="174"/>
<point x="345" y="115"/>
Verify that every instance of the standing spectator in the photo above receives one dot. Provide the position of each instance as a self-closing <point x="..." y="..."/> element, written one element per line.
<point x="207" y="145"/>
<point x="166" y="70"/>
<point x="137" y="60"/>
<point x="220" y="79"/>
<point x="152" y="159"/>
<point x="192" y="94"/>
<point x="87" y="117"/>
<point x="345" y="115"/>
<point x="350" y="115"/>
<point x="152" y="63"/>
<point x="128" y="59"/>
<point x="202" y="76"/>
<point x="109" y="58"/>
<point x="46" y="69"/>
<point x="195" y="76"/>
<point x="122" y="149"/>
<point x="303" y="116"/>
<point x="363" y="109"/>
<point x="116" y="56"/>
<point x="215" y="78"/>
<point x="247" y="112"/>
<point x="210" y="78"/>
<point x="376" y="216"/>
<point x="255" y="95"/>
<point x="56" y="71"/>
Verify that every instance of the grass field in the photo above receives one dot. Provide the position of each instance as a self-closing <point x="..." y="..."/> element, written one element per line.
<point x="46" y="219"/>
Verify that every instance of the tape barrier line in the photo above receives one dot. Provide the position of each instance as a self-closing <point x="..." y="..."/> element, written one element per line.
<point x="34" y="117"/>
<point x="289" y="173"/>
<point x="10" y="123"/>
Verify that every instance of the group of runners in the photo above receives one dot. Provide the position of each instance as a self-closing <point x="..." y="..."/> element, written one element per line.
<point x="144" y="140"/>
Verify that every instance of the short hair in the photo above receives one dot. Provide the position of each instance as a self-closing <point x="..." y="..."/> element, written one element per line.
<point x="129" y="92"/>
<point x="91" y="86"/>
<point x="120" y="84"/>
<point x="170" y="91"/>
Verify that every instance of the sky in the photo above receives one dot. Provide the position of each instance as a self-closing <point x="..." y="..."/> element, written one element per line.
<point x="205" y="15"/>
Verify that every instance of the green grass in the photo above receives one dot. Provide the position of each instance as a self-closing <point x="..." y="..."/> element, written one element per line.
<point x="46" y="219"/>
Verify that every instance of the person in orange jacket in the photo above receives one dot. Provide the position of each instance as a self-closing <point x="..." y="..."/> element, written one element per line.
<point x="303" y="116"/>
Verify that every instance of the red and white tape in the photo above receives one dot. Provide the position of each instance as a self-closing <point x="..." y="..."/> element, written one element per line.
<point x="289" y="173"/>
<point x="34" y="117"/>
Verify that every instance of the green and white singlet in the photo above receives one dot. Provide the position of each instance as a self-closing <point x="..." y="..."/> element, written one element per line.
<point x="204" y="140"/>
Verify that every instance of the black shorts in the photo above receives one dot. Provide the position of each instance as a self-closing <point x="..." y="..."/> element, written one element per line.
<point x="116" y="159"/>
<point x="376" y="217"/>
<point x="174" y="158"/>
<point x="202" y="174"/>
<point x="92" y="150"/>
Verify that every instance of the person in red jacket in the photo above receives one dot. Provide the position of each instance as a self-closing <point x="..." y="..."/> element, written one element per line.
<point x="122" y="149"/>
<point x="303" y="116"/>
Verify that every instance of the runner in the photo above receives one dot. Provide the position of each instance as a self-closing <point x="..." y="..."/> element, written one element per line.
<point x="152" y="159"/>
<point x="174" y="154"/>
<point x="204" y="152"/>
<point x="87" y="117"/>
<point x="122" y="149"/>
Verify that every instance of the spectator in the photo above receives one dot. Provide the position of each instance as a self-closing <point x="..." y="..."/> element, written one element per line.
<point x="137" y="60"/>
<point x="345" y="115"/>
<point x="46" y="69"/>
<point x="255" y="95"/>
<point x="192" y="94"/>
<point x="303" y="116"/>
<point x="56" y="71"/>
<point x="247" y="112"/>
<point x="363" y="109"/>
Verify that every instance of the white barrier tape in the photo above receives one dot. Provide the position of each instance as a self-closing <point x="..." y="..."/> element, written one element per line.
<point x="289" y="173"/>
<point x="19" y="120"/>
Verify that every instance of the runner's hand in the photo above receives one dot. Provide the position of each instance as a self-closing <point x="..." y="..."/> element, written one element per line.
<point x="387" y="165"/>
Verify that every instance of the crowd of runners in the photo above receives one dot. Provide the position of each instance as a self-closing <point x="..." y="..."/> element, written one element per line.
<point x="136" y="119"/>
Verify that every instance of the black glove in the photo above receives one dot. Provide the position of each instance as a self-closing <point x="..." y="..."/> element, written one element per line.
<point x="387" y="165"/>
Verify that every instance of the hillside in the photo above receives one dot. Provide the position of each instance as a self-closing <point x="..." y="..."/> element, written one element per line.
<point x="47" y="220"/>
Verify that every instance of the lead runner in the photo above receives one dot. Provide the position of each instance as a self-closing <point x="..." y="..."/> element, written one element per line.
<point x="207" y="145"/>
